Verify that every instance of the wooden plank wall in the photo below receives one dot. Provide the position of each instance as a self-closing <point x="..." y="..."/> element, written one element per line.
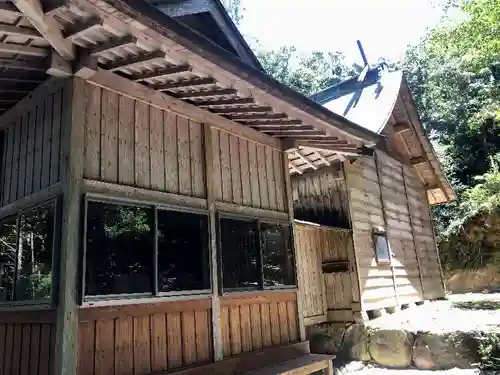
<point x="144" y="339"/>
<point x="253" y="323"/>
<point x="129" y="142"/>
<point x="342" y="288"/>
<point x="27" y="342"/>
<point x="423" y="236"/>
<point x="321" y="197"/>
<point x="31" y="157"/>
<point x="384" y="285"/>
<point x="247" y="173"/>
<point x="308" y="241"/>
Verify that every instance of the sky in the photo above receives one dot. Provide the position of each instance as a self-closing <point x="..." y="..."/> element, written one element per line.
<point x="385" y="27"/>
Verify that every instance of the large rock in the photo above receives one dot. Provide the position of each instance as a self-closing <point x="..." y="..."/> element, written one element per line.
<point x="391" y="348"/>
<point x="325" y="338"/>
<point x="355" y="344"/>
<point x="442" y="352"/>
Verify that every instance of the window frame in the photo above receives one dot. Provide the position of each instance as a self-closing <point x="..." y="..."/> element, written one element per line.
<point x="155" y="295"/>
<point x="257" y="221"/>
<point x="379" y="232"/>
<point x="55" y="256"/>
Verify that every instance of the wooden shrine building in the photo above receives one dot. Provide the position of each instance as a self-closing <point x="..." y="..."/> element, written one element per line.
<point x="145" y="199"/>
<point x="372" y="244"/>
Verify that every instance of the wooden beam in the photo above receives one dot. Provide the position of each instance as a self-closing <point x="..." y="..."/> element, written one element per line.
<point x="418" y="160"/>
<point x="217" y="102"/>
<point x="9" y="9"/>
<point x="292" y="166"/>
<point x="183" y="83"/>
<point x="77" y="30"/>
<point x="305" y="160"/>
<point x="134" y="60"/>
<point x="242" y="109"/>
<point x="210" y="181"/>
<point x="59" y="67"/>
<point x="261" y="123"/>
<point x="295" y="133"/>
<point x="46" y="26"/>
<point x="204" y="93"/>
<point x="322" y="158"/>
<point x="161" y="72"/>
<point x="22" y="79"/>
<point x="318" y="138"/>
<point x="257" y="116"/>
<point x="112" y="44"/>
<point x="40" y="66"/>
<point x="19" y="31"/>
<point x="23" y="50"/>
<point x="291" y="128"/>
<point x="402" y="127"/>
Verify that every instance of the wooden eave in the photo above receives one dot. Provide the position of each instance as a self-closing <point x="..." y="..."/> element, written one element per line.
<point x="140" y="44"/>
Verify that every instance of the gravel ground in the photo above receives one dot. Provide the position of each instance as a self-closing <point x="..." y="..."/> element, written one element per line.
<point x="357" y="368"/>
<point x="445" y="316"/>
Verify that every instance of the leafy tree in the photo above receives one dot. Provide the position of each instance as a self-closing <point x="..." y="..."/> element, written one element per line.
<point x="305" y="73"/>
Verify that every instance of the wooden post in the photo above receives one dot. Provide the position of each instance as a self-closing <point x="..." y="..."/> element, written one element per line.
<point x="65" y="361"/>
<point x="431" y="220"/>
<point x="384" y="217"/>
<point x="289" y="204"/>
<point x="209" y="168"/>
<point x="353" y="259"/>
<point x="412" y="230"/>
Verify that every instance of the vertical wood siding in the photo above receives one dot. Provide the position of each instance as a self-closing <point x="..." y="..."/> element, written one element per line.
<point x="321" y="197"/>
<point x="385" y="285"/>
<point x="31" y="155"/>
<point x="27" y="343"/>
<point x="129" y="142"/>
<point x="253" y="323"/>
<point x="246" y="173"/>
<point x="144" y="339"/>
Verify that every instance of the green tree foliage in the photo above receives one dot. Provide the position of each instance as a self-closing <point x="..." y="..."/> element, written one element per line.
<point x="305" y="73"/>
<point x="454" y="74"/>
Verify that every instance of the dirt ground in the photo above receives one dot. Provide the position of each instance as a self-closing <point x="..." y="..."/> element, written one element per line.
<point x="461" y="312"/>
<point x="358" y="368"/>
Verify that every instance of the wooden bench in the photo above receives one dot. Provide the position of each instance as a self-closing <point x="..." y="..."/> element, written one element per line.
<point x="305" y="364"/>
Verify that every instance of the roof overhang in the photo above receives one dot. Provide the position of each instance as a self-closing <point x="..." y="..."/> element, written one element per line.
<point x="134" y="40"/>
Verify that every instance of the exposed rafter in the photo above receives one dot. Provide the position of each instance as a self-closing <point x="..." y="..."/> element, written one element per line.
<point x="205" y="93"/>
<point x="261" y="123"/>
<point x="112" y="45"/>
<point x="242" y="109"/>
<point x="76" y="31"/>
<point x="322" y="158"/>
<point x="223" y="102"/>
<point x="305" y="160"/>
<point x="419" y="160"/>
<point x="19" y="31"/>
<point x="23" y="50"/>
<point x="24" y="65"/>
<point x="305" y="134"/>
<point x="46" y="26"/>
<point x="292" y="166"/>
<point x="257" y="116"/>
<point x="161" y="72"/>
<point x="135" y="60"/>
<point x="183" y="83"/>
<point x="402" y="127"/>
<point x="291" y="128"/>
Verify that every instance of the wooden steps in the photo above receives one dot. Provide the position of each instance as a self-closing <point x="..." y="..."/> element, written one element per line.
<point x="306" y="364"/>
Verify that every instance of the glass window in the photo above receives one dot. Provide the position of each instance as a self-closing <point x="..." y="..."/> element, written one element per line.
<point x="120" y="248"/>
<point x="277" y="255"/>
<point x="34" y="262"/>
<point x="26" y="248"/>
<point x="183" y="259"/>
<point x="240" y="254"/>
<point x="8" y="255"/>
<point x="382" y="248"/>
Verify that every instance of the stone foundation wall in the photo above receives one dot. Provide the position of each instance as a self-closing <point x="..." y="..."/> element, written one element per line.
<point x="395" y="348"/>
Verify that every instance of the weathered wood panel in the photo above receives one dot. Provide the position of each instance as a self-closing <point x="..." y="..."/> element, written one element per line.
<point x="307" y="242"/>
<point x="321" y="197"/>
<point x="144" y="339"/>
<point x="27" y="342"/>
<point x="31" y="153"/>
<point x="133" y="143"/>
<point x="247" y="173"/>
<point x="253" y="323"/>
<point x="381" y="200"/>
